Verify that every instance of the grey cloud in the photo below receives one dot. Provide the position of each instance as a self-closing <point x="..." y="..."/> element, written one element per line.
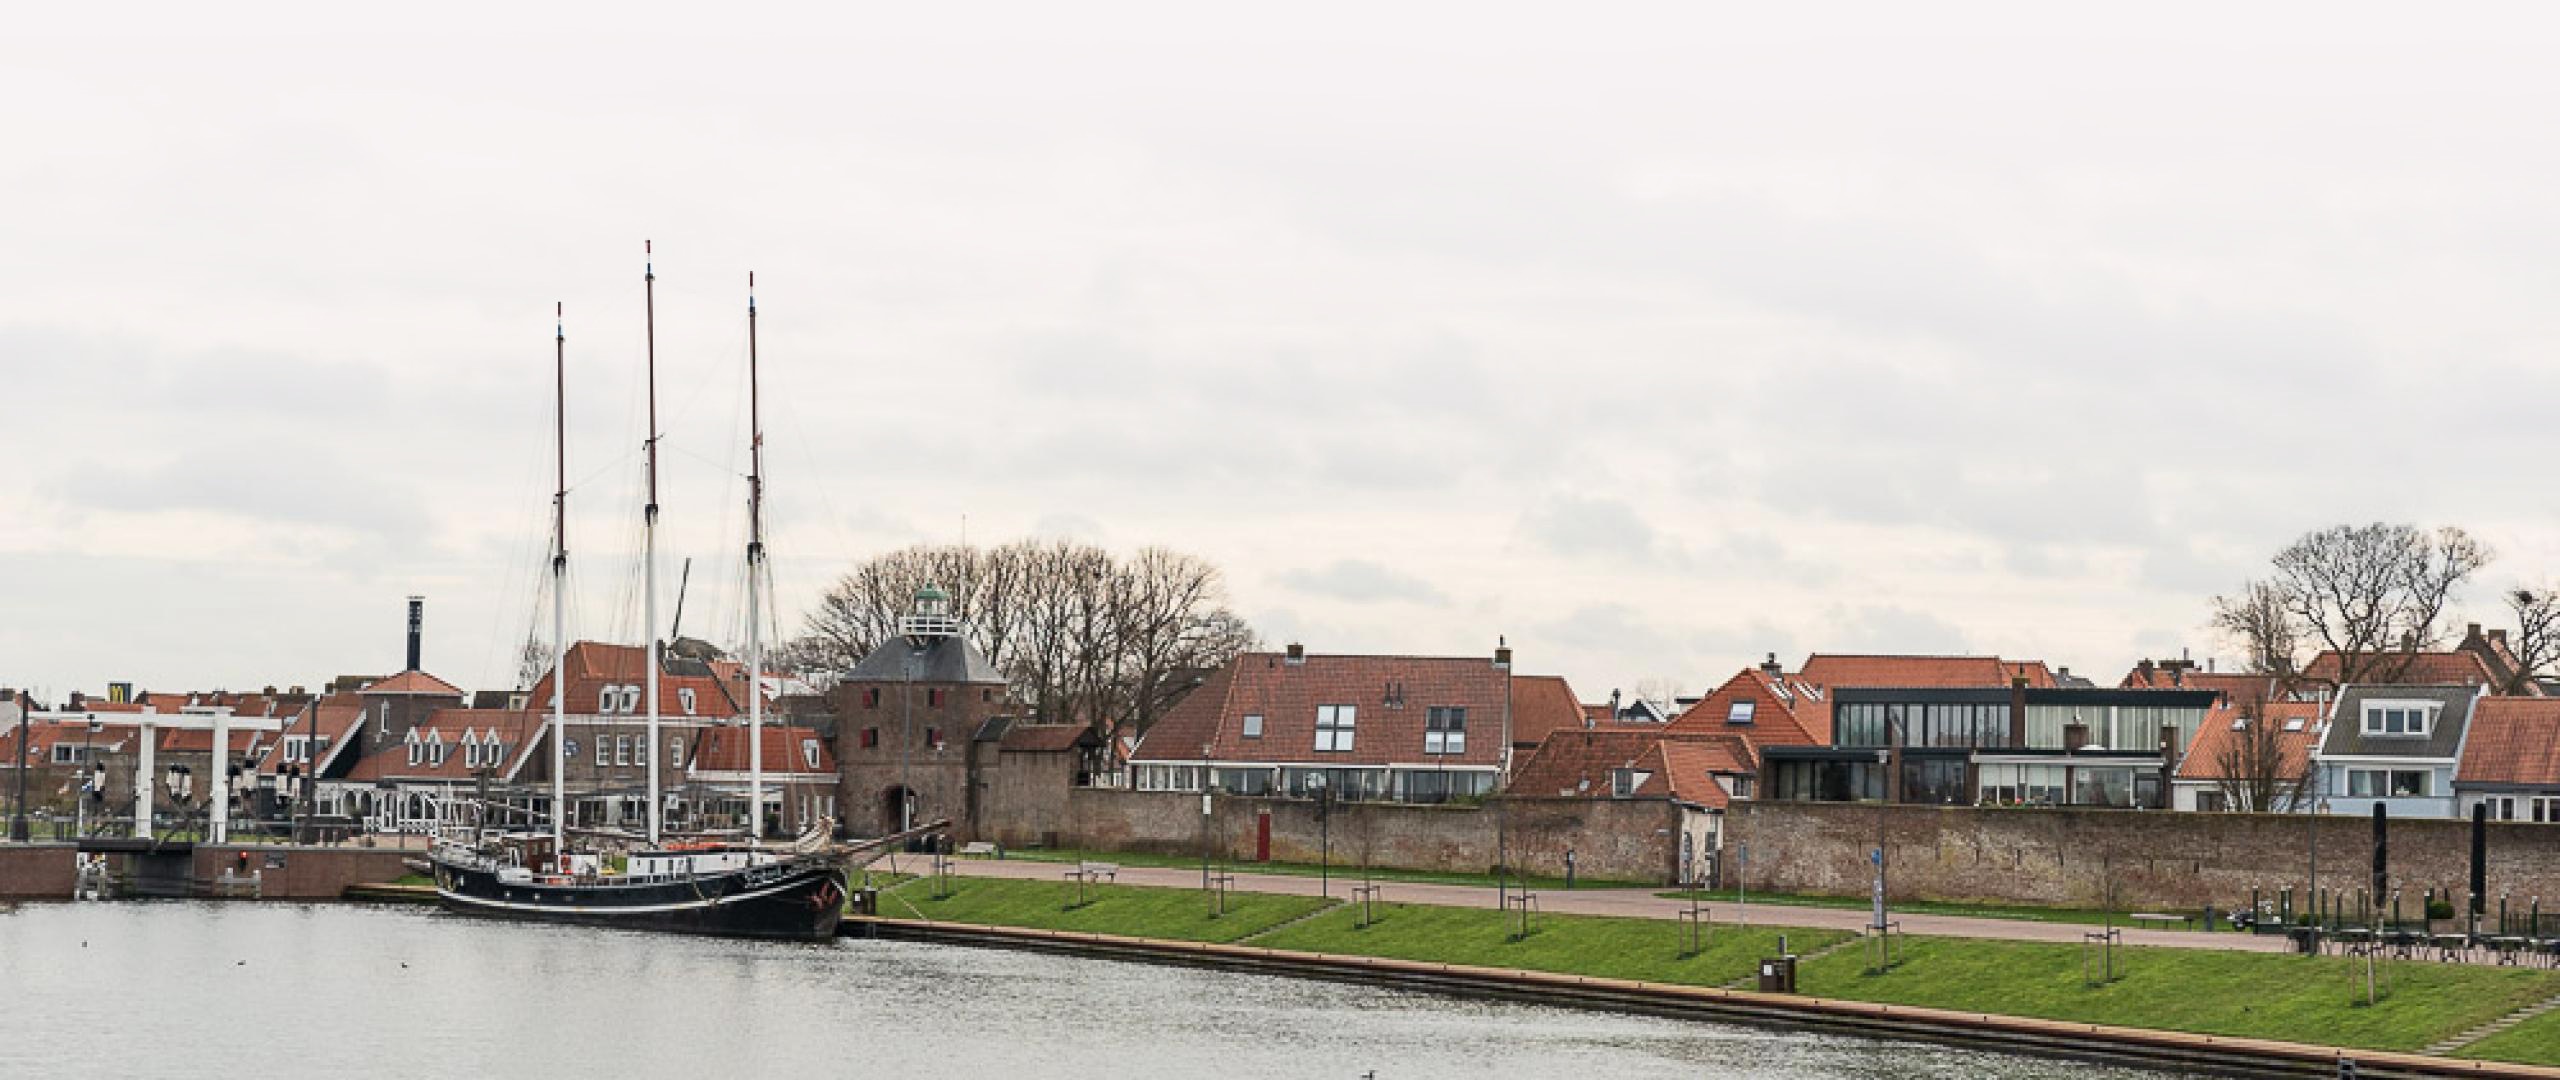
<point x="1361" y="581"/>
<point x="1888" y="628"/>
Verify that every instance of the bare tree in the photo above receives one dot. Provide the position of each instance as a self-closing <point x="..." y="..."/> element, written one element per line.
<point x="2371" y="594"/>
<point x="2536" y="643"/>
<point x="2258" y="621"/>
<point x="1662" y="690"/>
<point x="1082" y="636"/>
<point x="2255" y="771"/>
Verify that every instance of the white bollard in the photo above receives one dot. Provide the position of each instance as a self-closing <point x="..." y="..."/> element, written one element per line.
<point x="142" y="781"/>
<point x="218" y="792"/>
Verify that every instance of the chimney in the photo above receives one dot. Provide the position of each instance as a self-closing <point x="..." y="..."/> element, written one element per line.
<point x="1297" y="653"/>
<point x="2074" y="736"/>
<point x="1502" y="653"/>
<point x="1771" y="667"/>
<point x="417" y="625"/>
<point x="1613" y="703"/>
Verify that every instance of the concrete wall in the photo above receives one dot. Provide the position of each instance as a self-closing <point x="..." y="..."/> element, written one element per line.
<point x="1612" y="839"/>
<point x="2152" y="859"/>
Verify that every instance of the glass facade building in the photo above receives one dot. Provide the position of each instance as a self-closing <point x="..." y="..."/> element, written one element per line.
<point x="2043" y="746"/>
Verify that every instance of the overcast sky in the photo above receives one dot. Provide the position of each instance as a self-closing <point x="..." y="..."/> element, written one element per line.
<point x="1654" y="337"/>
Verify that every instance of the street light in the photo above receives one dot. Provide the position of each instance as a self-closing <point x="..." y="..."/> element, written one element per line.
<point x="1323" y="795"/>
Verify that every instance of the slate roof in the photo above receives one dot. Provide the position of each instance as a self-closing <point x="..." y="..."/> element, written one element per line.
<point x="1386" y="730"/>
<point x="514" y="729"/>
<point x="2204" y="756"/>
<point x="341" y="716"/>
<point x="947" y="660"/>
<point x="2443" y="739"/>
<point x="2515" y="741"/>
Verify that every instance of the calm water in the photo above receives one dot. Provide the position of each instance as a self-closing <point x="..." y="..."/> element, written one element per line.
<point x="198" y="989"/>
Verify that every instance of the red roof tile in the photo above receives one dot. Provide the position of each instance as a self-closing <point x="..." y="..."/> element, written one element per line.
<point x="2513" y="740"/>
<point x="413" y="682"/>
<point x="724" y="750"/>
<point x="1391" y="697"/>
<point x="1833" y="670"/>
<point x="2455" y="668"/>
<point x="2204" y="760"/>
<point x="1584" y="763"/>
<point x="2238" y="688"/>
<point x="1544" y="704"/>
<point x="1785" y="710"/>
<point x="594" y="666"/>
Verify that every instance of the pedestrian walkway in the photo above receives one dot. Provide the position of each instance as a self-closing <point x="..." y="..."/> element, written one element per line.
<point x="1643" y="904"/>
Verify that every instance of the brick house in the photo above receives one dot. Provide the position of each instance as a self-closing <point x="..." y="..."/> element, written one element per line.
<point x="1396" y="728"/>
<point x="2223" y="757"/>
<point x="2511" y="759"/>
<point x="1700" y="774"/>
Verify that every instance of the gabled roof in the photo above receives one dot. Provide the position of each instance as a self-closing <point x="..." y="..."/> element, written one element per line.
<point x="1583" y="764"/>
<point x="1834" y="670"/>
<point x="414" y="682"/>
<point x="2206" y="757"/>
<point x="513" y="730"/>
<point x="2514" y="741"/>
<point x="1391" y="698"/>
<point x="1785" y="710"/>
<point x="594" y="665"/>
<point x="200" y="741"/>
<point x="2395" y="668"/>
<point x="340" y="717"/>
<point x="2443" y="739"/>
<point x="1543" y="704"/>
<point x="2239" y="688"/>
<point x="724" y="750"/>
<point x="43" y="733"/>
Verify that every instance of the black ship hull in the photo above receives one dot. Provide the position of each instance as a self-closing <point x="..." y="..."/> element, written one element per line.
<point x="796" y="900"/>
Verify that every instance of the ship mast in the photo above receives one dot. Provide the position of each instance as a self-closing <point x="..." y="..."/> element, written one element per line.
<point x="755" y="581"/>
<point x="649" y="544"/>
<point x="560" y="586"/>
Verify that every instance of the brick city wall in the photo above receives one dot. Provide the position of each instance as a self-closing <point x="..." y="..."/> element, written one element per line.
<point x="2152" y="859"/>
<point x="291" y="873"/>
<point x="1622" y="840"/>
<point x="37" y="871"/>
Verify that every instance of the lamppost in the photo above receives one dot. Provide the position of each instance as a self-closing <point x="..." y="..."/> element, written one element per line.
<point x="92" y="779"/>
<point x="1323" y="793"/>
<point x="18" y="825"/>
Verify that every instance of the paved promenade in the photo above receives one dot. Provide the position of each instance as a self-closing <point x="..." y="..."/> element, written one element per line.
<point x="1634" y="903"/>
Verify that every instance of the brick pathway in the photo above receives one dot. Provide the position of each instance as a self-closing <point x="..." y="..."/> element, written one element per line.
<point x="1634" y="903"/>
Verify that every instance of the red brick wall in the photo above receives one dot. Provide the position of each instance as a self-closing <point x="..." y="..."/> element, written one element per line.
<point x="2152" y="859"/>
<point x="1614" y="839"/>
<point x="37" y="871"/>
<point x="307" y="873"/>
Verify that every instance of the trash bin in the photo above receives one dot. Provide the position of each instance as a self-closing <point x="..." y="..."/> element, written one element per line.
<point x="1778" y="974"/>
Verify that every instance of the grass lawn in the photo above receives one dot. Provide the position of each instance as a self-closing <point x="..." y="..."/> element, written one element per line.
<point x="1648" y="949"/>
<point x="1131" y="910"/>
<point x="2024" y="912"/>
<point x="2536" y="1041"/>
<point x="2298" y="998"/>
<point x="1341" y="871"/>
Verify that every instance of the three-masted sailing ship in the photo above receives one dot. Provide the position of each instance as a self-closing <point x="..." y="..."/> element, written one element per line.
<point x="711" y="885"/>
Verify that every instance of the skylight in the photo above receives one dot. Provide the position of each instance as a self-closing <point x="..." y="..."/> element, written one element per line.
<point x="1741" y="712"/>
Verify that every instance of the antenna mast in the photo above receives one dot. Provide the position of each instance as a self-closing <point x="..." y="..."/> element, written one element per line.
<point x="755" y="581"/>
<point x="649" y="543"/>
<point x="560" y="585"/>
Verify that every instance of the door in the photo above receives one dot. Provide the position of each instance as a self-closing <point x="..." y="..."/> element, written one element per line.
<point x="1262" y="837"/>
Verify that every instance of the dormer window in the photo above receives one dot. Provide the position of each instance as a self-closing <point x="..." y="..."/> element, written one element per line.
<point x="684" y="697"/>
<point x="630" y="699"/>
<point x="809" y="753"/>
<point x="1334" y="724"/>
<point x="1624" y="782"/>
<point x="2406" y="718"/>
<point x="1446" y="730"/>
<point x="411" y="744"/>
